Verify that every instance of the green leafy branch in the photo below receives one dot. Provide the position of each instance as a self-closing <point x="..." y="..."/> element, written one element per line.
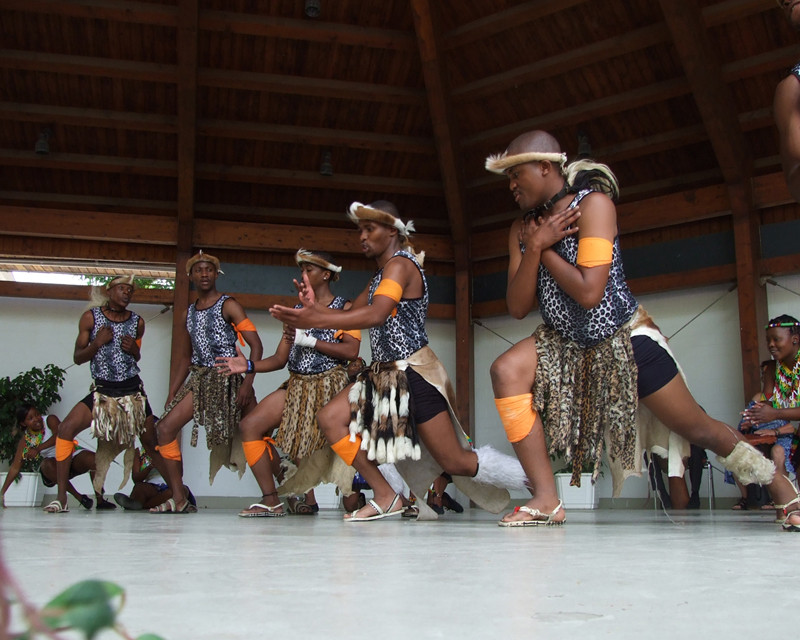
<point x="87" y="607"/>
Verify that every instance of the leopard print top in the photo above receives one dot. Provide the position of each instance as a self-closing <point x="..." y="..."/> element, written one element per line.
<point x="111" y="363"/>
<point x="212" y="336"/>
<point x="587" y="327"/>
<point x="307" y="360"/>
<point x="403" y="333"/>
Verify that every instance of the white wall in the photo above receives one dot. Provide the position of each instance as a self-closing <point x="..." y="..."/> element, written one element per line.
<point x="37" y="332"/>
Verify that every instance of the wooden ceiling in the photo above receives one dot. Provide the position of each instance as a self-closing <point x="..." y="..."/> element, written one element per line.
<point x="184" y="123"/>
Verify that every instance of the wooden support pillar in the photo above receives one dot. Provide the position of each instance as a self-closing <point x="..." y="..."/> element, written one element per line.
<point x="187" y="131"/>
<point x="752" y="293"/>
<point x="465" y="363"/>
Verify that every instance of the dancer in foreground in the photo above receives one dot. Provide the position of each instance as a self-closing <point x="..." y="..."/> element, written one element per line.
<point x="400" y="409"/>
<point x="574" y="386"/>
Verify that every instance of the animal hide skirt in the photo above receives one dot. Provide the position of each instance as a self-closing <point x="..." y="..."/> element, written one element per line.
<point x="381" y="413"/>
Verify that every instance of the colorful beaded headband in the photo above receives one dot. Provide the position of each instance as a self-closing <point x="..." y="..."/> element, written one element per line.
<point x="782" y="324"/>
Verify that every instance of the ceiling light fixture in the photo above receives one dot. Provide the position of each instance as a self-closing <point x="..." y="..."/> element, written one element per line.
<point x="584" y="146"/>
<point x="42" y="146"/>
<point x="312" y="9"/>
<point x="326" y="166"/>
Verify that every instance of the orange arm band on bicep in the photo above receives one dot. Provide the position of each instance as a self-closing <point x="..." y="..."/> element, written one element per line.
<point x="390" y="289"/>
<point x="594" y="252"/>
<point x="354" y="333"/>
<point x="139" y="342"/>
<point x="244" y="325"/>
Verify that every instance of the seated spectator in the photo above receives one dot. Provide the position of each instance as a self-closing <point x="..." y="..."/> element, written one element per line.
<point x="38" y="444"/>
<point x="149" y="487"/>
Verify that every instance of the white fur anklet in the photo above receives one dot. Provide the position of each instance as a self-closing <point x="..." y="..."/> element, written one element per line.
<point x="500" y="470"/>
<point x="748" y="465"/>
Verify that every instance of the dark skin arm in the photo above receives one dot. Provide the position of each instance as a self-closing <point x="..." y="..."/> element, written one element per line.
<point x="234" y="313"/>
<point x="129" y="344"/>
<point x="362" y="315"/>
<point x="13" y="470"/>
<point x="523" y="268"/>
<point x="786" y="107"/>
<point x="586" y="285"/>
<point x="85" y="347"/>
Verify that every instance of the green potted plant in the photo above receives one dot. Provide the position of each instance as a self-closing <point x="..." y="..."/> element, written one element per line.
<point x="39" y="387"/>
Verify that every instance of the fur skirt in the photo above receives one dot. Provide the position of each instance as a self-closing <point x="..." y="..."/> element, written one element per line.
<point x="380" y="413"/>
<point x="587" y="397"/>
<point x="299" y="434"/>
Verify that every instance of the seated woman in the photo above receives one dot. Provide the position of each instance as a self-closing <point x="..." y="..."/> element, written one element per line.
<point x="781" y="404"/>
<point x="38" y="444"/>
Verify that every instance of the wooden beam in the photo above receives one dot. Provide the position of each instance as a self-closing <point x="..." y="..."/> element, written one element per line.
<point x="500" y="21"/>
<point x="306" y="30"/>
<point x="282" y="237"/>
<point x="446" y="135"/>
<point x="113" y="10"/>
<point x="305" y="86"/>
<point x="563" y="63"/>
<point x="82" y="117"/>
<point x="87" y="225"/>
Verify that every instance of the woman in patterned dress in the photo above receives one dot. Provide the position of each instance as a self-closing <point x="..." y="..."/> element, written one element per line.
<point x="782" y="387"/>
<point x="316" y="360"/>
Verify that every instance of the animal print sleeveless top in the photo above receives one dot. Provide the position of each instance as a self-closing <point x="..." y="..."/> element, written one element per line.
<point x="111" y="363"/>
<point x="559" y="311"/>
<point x="212" y="335"/>
<point x="307" y="360"/>
<point x="404" y="332"/>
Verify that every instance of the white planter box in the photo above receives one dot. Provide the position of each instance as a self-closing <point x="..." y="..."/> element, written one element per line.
<point x="27" y="492"/>
<point x="583" y="497"/>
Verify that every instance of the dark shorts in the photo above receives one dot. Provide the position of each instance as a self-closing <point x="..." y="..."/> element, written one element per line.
<point x="51" y="483"/>
<point x="117" y="390"/>
<point x="656" y="367"/>
<point x="427" y="401"/>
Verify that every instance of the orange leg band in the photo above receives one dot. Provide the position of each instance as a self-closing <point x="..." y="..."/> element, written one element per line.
<point x="517" y="415"/>
<point x="64" y="449"/>
<point x="170" y="451"/>
<point x="347" y="450"/>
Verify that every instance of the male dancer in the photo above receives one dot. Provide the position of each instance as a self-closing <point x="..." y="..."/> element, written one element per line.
<point x="109" y="338"/>
<point x="579" y="377"/>
<point x="201" y="392"/>
<point x="400" y="409"/>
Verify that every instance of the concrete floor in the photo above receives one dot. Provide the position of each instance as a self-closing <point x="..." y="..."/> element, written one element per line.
<point x="605" y="574"/>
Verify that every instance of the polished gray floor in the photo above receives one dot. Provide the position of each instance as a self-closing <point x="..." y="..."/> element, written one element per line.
<point x="605" y="574"/>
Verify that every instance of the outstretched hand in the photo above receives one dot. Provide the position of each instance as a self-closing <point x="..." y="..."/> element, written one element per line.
<point x="305" y="292"/>
<point x="231" y="365"/>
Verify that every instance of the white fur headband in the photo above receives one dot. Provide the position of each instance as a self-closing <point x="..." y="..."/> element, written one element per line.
<point x="304" y="255"/>
<point x="499" y="162"/>
<point x="360" y="211"/>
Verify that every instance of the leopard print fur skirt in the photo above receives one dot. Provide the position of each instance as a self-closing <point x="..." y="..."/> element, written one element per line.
<point x="587" y="398"/>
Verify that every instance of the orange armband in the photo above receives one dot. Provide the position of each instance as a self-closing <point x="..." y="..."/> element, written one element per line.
<point x="354" y="333"/>
<point x="390" y="289"/>
<point x="139" y="342"/>
<point x="244" y="325"/>
<point x="594" y="252"/>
